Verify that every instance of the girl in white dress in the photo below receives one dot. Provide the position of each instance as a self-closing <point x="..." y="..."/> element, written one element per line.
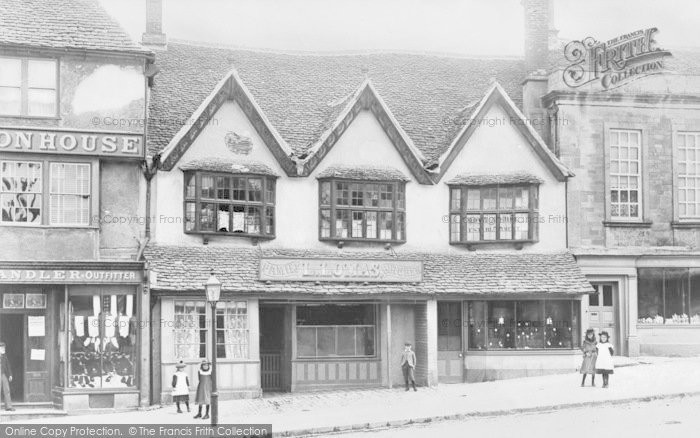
<point x="604" y="362"/>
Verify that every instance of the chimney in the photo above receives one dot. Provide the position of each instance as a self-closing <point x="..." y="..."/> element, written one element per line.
<point x="154" y="36"/>
<point x="540" y="36"/>
<point x="539" y="33"/>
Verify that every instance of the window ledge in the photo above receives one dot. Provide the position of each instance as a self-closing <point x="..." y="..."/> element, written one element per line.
<point x="337" y="359"/>
<point x="684" y="224"/>
<point x="624" y="224"/>
<point x="50" y="227"/>
<point x="15" y="116"/>
<point x="522" y="352"/>
<point x="471" y="246"/>
<point x="668" y="326"/>
<point x="216" y="233"/>
<point x="338" y="240"/>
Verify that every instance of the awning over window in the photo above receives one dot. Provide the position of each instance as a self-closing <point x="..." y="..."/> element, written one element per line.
<point x="179" y="268"/>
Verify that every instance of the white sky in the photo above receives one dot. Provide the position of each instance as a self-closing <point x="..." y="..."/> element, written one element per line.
<point x="471" y="27"/>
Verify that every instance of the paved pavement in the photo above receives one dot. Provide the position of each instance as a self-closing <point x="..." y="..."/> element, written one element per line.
<point x="323" y="412"/>
<point x="677" y="417"/>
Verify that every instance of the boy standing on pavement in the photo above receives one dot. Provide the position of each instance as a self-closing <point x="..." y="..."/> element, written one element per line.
<point x="5" y="378"/>
<point x="408" y="365"/>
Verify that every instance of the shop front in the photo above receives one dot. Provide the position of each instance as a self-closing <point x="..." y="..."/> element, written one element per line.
<point x="295" y="320"/>
<point x="649" y="301"/>
<point x="72" y="333"/>
<point x="503" y="337"/>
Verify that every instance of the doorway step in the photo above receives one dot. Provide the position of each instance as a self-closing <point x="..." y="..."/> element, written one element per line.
<point x="31" y="411"/>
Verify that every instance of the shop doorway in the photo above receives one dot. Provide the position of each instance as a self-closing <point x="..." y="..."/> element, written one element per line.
<point x="450" y="348"/>
<point x="12" y="334"/>
<point x="602" y="312"/>
<point x="275" y="343"/>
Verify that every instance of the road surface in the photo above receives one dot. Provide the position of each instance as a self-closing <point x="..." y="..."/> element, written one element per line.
<point x="666" y="418"/>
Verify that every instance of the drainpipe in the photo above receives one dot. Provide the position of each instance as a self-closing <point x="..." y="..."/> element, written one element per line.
<point x="566" y="212"/>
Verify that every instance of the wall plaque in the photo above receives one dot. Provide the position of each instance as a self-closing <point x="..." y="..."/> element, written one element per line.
<point x="350" y="270"/>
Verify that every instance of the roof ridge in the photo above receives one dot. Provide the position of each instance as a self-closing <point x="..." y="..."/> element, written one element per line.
<point x="321" y="53"/>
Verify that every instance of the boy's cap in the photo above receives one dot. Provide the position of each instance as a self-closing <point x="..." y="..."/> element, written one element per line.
<point x="2" y="344"/>
<point x="407" y="344"/>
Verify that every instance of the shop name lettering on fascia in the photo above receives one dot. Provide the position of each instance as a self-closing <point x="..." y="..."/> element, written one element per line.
<point x="22" y="140"/>
<point x="341" y="270"/>
<point x="64" y="275"/>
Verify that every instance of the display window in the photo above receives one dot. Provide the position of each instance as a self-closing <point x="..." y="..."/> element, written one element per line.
<point x="523" y="324"/>
<point x="101" y="342"/>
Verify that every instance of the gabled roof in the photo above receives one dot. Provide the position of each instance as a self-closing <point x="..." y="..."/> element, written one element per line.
<point x="182" y="269"/>
<point x="497" y="95"/>
<point x="304" y="94"/>
<point x="63" y="24"/>
<point x="367" y="98"/>
<point x="229" y="88"/>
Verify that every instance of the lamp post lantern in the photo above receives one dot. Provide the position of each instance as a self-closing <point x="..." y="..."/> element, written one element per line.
<point x="213" y="290"/>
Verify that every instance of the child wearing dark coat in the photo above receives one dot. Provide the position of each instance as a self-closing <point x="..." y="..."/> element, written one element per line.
<point x="590" y="354"/>
<point x="181" y="387"/>
<point x="203" y="396"/>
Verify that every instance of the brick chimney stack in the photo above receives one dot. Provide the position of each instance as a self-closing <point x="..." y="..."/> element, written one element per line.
<point x="540" y="37"/>
<point x="539" y="33"/>
<point x="154" y="36"/>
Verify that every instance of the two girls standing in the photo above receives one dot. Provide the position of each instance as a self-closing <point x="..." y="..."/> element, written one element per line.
<point x="597" y="357"/>
<point x="181" y="388"/>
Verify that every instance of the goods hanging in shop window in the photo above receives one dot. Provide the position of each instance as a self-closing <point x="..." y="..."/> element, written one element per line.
<point x="102" y="341"/>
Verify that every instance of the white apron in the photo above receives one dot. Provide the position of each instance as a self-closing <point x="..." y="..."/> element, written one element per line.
<point x="604" y="360"/>
<point x="181" y="387"/>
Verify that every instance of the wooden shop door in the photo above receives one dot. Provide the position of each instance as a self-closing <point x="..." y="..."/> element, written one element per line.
<point x="602" y="312"/>
<point x="450" y="349"/>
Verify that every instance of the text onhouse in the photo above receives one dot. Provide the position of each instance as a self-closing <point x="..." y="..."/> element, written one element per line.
<point x="20" y="140"/>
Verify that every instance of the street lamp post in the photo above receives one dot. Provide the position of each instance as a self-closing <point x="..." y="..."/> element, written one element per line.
<point x="213" y="291"/>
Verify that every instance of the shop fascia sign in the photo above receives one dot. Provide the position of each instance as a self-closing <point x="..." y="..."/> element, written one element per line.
<point x="69" y="276"/>
<point x="616" y="62"/>
<point x="343" y="270"/>
<point x="71" y="142"/>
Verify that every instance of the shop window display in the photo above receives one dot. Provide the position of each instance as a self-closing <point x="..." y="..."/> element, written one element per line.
<point x="668" y="296"/>
<point x="336" y="330"/>
<point x="102" y="338"/>
<point x="523" y="325"/>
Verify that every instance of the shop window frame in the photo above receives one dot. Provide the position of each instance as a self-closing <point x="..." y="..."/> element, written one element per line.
<point x="689" y="274"/>
<point x="375" y="336"/>
<point x="575" y="323"/>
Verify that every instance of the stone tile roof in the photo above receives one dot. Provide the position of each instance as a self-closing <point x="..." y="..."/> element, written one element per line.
<point x="62" y="24"/>
<point x="183" y="269"/>
<point x="365" y="173"/>
<point x="302" y="95"/>
<point x="506" y="178"/>
<point x="216" y="164"/>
